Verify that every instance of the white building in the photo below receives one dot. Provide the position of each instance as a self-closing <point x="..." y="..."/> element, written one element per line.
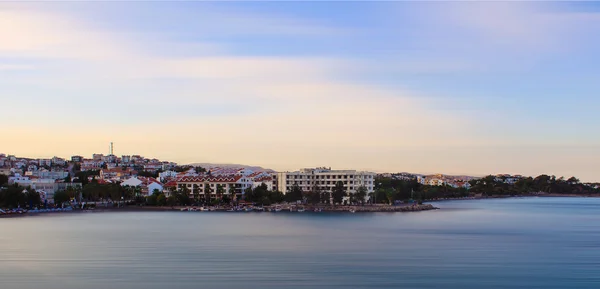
<point x="59" y="161"/>
<point x="45" y="162"/>
<point x="132" y="182"/>
<point x="324" y="179"/>
<point x="206" y="186"/>
<point x="5" y="171"/>
<point x="435" y="182"/>
<point x="46" y="186"/>
<point x="262" y="179"/>
<point x="148" y="185"/>
<point x="166" y="175"/>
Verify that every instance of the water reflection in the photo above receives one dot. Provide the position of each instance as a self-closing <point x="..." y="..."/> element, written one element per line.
<point x="509" y="243"/>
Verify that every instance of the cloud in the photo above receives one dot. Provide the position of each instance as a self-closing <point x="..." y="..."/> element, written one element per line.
<point x="15" y="67"/>
<point x="298" y="103"/>
<point x="193" y="101"/>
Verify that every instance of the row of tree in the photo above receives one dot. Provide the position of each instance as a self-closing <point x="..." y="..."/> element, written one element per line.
<point x="388" y="190"/>
<point x="259" y="195"/>
<point x="491" y="185"/>
<point x="15" y="196"/>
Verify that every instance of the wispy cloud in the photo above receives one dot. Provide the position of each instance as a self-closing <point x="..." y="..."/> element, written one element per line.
<point x="182" y="86"/>
<point x="15" y="67"/>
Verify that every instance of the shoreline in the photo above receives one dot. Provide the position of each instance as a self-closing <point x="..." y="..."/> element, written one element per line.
<point x="377" y="208"/>
<point x="284" y="209"/>
<point x="516" y="196"/>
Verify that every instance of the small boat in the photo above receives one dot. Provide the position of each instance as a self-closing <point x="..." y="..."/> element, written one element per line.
<point x="318" y="210"/>
<point x="352" y="211"/>
<point x="300" y="210"/>
<point x="277" y="209"/>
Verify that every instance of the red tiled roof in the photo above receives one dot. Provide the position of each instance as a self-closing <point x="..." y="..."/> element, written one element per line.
<point x="210" y="179"/>
<point x="171" y="184"/>
<point x="254" y="174"/>
<point x="263" y="179"/>
<point x="147" y="181"/>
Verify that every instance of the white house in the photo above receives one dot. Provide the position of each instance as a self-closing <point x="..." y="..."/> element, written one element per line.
<point x="132" y="182"/>
<point x="59" y="161"/>
<point x="163" y="176"/>
<point x="148" y="185"/>
<point x="267" y="180"/>
<point x="154" y="186"/>
<point x="45" y="162"/>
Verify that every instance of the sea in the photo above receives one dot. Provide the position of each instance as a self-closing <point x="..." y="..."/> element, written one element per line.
<point x="499" y="243"/>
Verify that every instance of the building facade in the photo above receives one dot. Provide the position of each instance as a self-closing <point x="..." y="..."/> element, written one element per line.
<point x="324" y="179"/>
<point x="206" y="186"/>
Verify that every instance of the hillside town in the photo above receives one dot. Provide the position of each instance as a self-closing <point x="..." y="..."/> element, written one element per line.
<point x="111" y="178"/>
<point x="148" y="176"/>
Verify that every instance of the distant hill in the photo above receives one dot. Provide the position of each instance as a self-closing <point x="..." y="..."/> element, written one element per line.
<point x="210" y="165"/>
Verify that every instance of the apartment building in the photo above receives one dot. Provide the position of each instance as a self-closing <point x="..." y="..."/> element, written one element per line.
<point x="206" y="186"/>
<point x="325" y="179"/>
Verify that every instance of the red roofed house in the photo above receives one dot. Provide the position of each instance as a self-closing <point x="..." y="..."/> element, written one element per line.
<point x="263" y="179"/>
<point x="205" y="186"/>
<point x="147" y="185"/>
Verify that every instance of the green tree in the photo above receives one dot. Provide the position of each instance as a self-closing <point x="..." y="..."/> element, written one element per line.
<point x="3" y="179"/>
<point x="249" y="195"/>
<point x="208" y="193"/>
<point x="361" y="194"/>
<point x="152" y="200"/>
<point x="276" y="197"/>
<point x="61" y="197"/>
<point x="380" y="197"/>
<point x="161" y="200"/>
<point x="172" y="200"/>
<point x="295" y="194"/>
<point x="338" y="193"/>
<point x="33" y="198"/>
<point x="390" y="195"/>
<point x="220" y="192"/>
<point x="315" y="196"/>
<point x="260" y="193"/>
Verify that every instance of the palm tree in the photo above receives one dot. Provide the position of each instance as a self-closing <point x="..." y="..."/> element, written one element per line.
<point x="196" y="193"/>
<point x="220" y="192"/>
<point x="207" y="192"/>
<point x="231" y="191"/>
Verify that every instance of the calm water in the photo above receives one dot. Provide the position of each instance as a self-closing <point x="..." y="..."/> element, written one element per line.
<point x="511" y="243"/>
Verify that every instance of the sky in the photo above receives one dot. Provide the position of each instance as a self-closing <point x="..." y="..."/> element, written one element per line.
<point x="426" y="87"/>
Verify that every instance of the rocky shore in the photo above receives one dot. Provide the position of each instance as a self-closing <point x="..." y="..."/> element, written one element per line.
<point x="380" y="208"/>
<point x="281" y="208"/>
